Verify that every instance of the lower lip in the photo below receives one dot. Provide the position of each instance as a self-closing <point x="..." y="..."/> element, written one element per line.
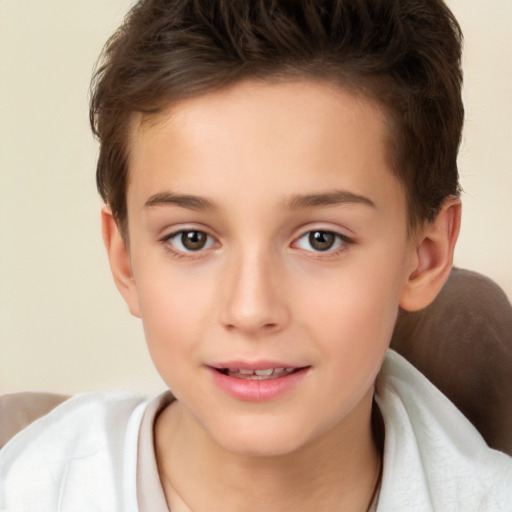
<point x="258" y="390"/>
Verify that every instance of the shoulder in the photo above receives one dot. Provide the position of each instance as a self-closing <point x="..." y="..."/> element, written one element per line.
<point x="85" y="438"/>
<point x="35" y="414"/>
<point x="18" y="410"/>
<point x="433" y="456"/>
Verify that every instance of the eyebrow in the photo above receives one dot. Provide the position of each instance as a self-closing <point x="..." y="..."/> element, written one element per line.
<point x="333" y="198"/>
<point x="184" y="200"/>
<point x="295" y="202"/>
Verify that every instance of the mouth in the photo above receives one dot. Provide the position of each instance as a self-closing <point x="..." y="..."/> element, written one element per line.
<point x="264" y="374"/>
<point x="258" y="382"/>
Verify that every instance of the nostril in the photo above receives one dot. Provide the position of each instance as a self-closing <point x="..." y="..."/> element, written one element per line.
<point x="266" y="326"/>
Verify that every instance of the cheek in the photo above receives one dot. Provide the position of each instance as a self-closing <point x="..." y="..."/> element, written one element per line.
<point x="357" y="306"/>
<point x="175" y="313"/>
<point x="353" y="331"/>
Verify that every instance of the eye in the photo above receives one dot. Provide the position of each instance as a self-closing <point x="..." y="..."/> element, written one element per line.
<point x="321" y="241"/>
<point x="190" y="240"/>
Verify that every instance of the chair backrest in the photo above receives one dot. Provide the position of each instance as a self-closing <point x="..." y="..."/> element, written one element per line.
<point x="462" y="343"/>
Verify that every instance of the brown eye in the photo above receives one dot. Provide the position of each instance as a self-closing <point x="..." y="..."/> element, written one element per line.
<point x="322" y="240"/>
<point x="319" y="241"/>
<point x="191" y="240"/>
<point x="194" y="240"/>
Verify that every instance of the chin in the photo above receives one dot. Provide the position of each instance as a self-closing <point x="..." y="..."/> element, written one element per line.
<point x="261" y="438"/>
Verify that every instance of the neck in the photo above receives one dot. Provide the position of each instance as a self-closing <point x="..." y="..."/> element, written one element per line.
<point x="337" y="471"/>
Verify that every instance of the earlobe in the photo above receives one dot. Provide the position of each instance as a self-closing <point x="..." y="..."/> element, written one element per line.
<point x="119" y="259"/>
<point x="432" y="257"/>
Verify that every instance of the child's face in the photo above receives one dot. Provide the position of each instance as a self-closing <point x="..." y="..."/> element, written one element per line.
<point x="267" y="231"/>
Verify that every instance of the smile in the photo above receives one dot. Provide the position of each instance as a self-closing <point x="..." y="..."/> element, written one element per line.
<point x="267" y="374"/>
<point x="259" y="383"/>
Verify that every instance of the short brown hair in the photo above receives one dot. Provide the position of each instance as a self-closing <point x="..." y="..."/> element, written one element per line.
<point x="406" y="54"/>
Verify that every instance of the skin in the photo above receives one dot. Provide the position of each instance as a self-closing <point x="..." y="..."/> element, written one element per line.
<point x="267" y="164"/>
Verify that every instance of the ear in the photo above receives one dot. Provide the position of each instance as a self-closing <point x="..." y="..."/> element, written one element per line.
<point x="119" y="258"/>
<point x="432" y="257"/>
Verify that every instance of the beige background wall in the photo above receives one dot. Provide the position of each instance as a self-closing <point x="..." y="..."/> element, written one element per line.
<point x="62" y="325"/>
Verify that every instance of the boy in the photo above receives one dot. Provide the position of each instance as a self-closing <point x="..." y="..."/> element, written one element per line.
<point x="280" y="178"/>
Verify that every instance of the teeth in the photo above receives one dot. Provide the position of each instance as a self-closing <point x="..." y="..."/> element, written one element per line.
<point x="269" y="373"/>
<point x="264" y="373"/>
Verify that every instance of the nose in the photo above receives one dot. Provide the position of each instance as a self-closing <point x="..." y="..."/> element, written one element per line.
<point x="254" y="295"/>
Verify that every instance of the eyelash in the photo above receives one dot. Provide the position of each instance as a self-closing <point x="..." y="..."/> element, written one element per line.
<point x="342" y="243"/>
<point x="184" y="252"/>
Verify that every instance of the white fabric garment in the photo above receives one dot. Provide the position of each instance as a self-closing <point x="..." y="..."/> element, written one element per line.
<point x="434" y="459"/>
<point x="80" y="457"/>
<point x="83" y="455"/>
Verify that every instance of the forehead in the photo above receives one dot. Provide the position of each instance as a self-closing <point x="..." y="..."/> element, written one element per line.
<point x="253" y="131"/>
<point x="248" y="101"/>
